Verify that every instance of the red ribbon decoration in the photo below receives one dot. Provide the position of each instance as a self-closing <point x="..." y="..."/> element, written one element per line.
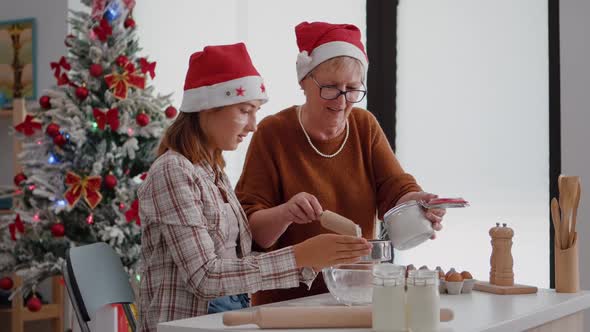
<point x="120" y="82"/>
<point x="56" y="66"/>
<point x="111" y="117"/>
<point x="17" y="225"/>
<point x="133" y="213"/>
<point x="148" y="67"/>
<point x="103" y="30"/>
<point x="87" y="187"/>
<point x="28" y="127"/>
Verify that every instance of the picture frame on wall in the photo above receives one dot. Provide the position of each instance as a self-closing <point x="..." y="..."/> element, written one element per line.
<point x="18" y="67"/>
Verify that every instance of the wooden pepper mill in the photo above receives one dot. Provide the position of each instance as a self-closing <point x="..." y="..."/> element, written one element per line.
<point x="503" y="274"/>
<point x="501" y="265"/>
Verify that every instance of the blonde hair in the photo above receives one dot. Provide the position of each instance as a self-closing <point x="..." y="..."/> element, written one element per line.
<point x="186" y="137"/>
<point x="341" y="63"/>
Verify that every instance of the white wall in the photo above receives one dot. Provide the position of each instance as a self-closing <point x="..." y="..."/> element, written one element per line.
<point x="575" y="116"/>
<point x="472" y="121"/>
<point x="51" y="29"/>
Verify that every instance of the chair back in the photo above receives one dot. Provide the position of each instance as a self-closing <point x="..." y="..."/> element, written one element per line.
<point x="94" y="277"/>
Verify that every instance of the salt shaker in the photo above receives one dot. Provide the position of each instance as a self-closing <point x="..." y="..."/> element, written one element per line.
<point x="389" y="298"/>
<point x="423" y="301"/>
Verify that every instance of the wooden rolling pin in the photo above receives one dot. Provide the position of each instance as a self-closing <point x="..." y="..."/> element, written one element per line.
<point x="310" y="317"/>
<point x="339" y="224"/>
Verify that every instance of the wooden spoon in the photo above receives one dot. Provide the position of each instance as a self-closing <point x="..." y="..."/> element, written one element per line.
<point x="575" y="211"/>
<point x="556" y="221"/>
<point x="564" y="206"/>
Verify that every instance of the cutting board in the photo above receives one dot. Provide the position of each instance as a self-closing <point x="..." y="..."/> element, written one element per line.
<point x="484" y="286"/>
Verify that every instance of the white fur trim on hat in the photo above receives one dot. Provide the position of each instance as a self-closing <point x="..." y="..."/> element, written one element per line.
<point x="222" y="94"/>
<point x="306" y="63"/>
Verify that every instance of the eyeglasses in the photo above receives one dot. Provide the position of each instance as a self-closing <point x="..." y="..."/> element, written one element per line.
<point x="329" y="92"/>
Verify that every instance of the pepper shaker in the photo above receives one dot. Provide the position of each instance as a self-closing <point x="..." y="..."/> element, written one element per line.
<point x="504" y="275"/>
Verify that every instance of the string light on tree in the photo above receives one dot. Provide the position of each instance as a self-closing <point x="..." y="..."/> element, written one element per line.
<point x="52" y="159"/>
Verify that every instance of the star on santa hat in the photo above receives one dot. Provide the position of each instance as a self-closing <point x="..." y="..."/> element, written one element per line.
<point x="262" y="88"/>
<point x="240" y="91"/>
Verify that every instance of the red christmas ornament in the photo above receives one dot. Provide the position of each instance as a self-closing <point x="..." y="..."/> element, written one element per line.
<point x="129" y="23"/>
<point x="68" y="40"/>
<point x="60" y="140"/>
<point x="6" y="283"/>
<point x="122" y="60"/>
<point x="142" y="119"/>
<point x="143" y="175"/>
<point x="34" y="304"/>
<point x="81" y="92"/>
<point x="19" y="178"/>
<point x="110" y="181"/>
<point x="95" y="70"/>
<point x="45" y="102"/>
<point x="170" y="112"/>
<point x="52" y="129"/>
<point x="58" y="230"/>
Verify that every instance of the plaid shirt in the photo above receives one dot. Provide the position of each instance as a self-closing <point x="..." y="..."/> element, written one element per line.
<point x="183" y="233"/>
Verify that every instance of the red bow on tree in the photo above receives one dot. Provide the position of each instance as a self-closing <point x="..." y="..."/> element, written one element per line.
<point x="28" y="127"/>
<point x="56" y="66"/>
<point x="133" y="213"/>
<point x="87" y="187"/>
<point x="120" y="82"/>
<point x="147" y="67"/>
<point x="111" y="117"/>
<point x="103" y="30"/>
<point x="17" y="225"/>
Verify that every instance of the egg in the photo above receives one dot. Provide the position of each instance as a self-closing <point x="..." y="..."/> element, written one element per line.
<point x="454" y="277"/>
<point x="451" y="271"/>
<point x="466" y="275"/>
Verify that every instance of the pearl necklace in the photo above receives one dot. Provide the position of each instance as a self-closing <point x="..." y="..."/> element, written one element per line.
<point x="299" y="111"/>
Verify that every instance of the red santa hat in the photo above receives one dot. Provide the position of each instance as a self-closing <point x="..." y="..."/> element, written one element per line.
<point x="219" y="76"/>
<point x="320" y="41"/>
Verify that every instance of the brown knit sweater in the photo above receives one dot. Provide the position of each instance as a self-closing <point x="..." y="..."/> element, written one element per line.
<point x="364" y="180"/>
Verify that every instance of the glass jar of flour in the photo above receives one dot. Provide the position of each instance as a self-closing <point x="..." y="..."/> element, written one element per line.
<point x="389" y="298"/>
<point x="423" y="301"/>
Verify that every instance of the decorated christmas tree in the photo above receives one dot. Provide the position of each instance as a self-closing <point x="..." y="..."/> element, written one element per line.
<point x="86" y="149"/>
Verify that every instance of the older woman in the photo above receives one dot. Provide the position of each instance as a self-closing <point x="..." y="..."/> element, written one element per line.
<point x="324" y="154"/>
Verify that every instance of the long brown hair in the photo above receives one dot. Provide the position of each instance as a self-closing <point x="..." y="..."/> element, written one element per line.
<point x="186" y="137"/>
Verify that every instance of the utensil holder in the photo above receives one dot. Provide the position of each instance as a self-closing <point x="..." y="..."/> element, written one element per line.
<point x="567" y="269"/>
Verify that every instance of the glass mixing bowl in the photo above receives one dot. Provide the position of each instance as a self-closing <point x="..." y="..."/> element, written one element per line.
<point x="350" y="284"/>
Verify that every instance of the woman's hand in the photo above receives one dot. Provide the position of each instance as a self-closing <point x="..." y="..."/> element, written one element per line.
<point x="434" y="215"/>
<point x="330" y="249"/>
<point x="302" y="208"/>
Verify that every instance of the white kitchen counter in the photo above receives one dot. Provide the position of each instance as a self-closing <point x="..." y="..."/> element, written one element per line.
<point x="473" y="312"/>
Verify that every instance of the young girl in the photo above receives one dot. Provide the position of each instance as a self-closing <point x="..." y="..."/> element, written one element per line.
<point x="196" y="242"/>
